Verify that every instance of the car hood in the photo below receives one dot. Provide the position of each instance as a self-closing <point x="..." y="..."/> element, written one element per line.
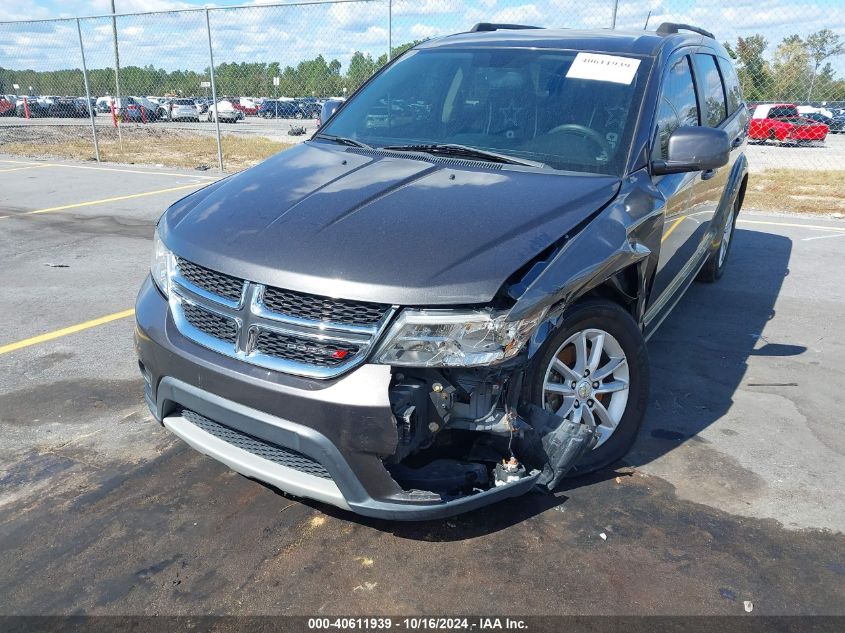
<point x="379" y="226"/>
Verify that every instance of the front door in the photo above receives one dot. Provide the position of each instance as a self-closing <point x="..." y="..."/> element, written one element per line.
<point x="678" y="106"/>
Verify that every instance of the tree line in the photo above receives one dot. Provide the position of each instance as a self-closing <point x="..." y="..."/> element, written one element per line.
<point x="799" y="70"/>
<point x="316" y="77"/>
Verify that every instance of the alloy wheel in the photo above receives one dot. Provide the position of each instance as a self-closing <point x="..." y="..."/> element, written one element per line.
<point x="588" y="380"/>
<point x="727" y="233"/>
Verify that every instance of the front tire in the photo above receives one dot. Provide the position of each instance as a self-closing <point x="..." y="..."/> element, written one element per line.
<point x="594" y="366"/>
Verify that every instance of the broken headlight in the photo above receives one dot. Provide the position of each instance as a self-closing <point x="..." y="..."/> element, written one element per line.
<point x="448" y="338"/>
<point x="162" y="265"/>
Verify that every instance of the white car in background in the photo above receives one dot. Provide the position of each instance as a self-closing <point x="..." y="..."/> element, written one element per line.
<point x="815" y="110"/>
<point x="179" y="110"/>
<point x="224" y="111"/>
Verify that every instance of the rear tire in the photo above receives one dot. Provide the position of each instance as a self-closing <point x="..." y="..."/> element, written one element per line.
<point x="716" y="263"/>
<point x="621" y="343"/>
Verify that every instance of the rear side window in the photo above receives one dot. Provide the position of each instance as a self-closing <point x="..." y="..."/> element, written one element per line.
<point x="678" y="105"/>
<point x="710" y="82"/>
<point x="732" y="89"/>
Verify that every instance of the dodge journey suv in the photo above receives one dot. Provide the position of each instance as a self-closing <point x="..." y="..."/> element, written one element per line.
<point x="442" y="299"/>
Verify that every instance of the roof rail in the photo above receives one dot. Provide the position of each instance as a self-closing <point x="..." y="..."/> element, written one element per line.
<point x="490" y="26"/>
<point x="668" y="28"/>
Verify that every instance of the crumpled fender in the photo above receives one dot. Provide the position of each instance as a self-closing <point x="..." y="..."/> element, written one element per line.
<point x="625" y="233"/>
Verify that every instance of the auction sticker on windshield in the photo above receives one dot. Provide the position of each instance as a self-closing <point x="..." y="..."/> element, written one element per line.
<point x="620" y="70"/>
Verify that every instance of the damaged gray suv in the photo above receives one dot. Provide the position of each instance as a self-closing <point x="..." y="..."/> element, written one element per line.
<point x="442" y="299"/>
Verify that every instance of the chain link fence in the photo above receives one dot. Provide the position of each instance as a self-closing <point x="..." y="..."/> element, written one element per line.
<point x="222" y="88"/>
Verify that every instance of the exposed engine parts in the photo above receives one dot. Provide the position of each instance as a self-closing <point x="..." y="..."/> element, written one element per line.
<point x="462" y="431"/>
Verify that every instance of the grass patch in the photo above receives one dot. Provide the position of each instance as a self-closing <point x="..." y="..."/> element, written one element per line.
<point x="140" y="145"/>
<point x="785" y="190"/>
<point x="794" y="190"/>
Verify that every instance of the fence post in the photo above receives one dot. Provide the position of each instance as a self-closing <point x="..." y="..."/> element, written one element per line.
<point x="88" y="92"/>
<point x="613" y="15"/>
<point x="214" y="93"/>
<point x="116" y="73"/>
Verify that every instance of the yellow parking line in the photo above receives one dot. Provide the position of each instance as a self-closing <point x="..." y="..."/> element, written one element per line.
<point x="76" y="205"/>
<point x="815" y="227"/>
<point x="117" y="169"/>
<point x="670" y="229"/>
<point x="49" y="336"/>
<point x="20" y="168"/>
<point x="135" y="171"/>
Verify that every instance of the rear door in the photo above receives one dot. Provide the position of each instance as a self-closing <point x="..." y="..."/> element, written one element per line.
<point x="706" y="191"/>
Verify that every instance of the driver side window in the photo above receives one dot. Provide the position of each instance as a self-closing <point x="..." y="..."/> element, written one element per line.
<point x="678" y="105"/>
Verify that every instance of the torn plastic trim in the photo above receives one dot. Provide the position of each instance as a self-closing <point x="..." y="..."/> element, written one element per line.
<point x="553" y="444"/>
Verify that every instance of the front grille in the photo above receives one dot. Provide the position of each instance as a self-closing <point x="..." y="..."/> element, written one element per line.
<point x="211" y="281"/>
<point x="282" y="330"/>
<point x="323" y="309"/>
<point x="303" y="350"/>
<point x="215" y="325"/>
<point x="276" y="454"/>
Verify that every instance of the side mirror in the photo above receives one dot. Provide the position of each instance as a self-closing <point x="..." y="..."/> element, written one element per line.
<point x="694" y="149"/>
<point x="328" y="108"/>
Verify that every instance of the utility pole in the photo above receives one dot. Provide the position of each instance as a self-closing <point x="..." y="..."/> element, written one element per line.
<point x="613" y="17"/>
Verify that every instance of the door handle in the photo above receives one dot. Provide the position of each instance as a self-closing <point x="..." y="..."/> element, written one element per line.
<point x="737" y="142"/>
<point x="708" y="174"/>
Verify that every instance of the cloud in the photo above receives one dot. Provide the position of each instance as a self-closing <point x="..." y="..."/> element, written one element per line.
<point x="292" y="33"/>
<point x="520" y="13"/>
<point x="424" y="31"/>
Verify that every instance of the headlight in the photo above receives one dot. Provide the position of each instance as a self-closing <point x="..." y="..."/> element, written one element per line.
<point x="446" y="338"/>
<point x="162" y="265"/>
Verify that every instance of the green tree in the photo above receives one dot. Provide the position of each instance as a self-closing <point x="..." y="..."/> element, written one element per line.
<point x="791" y="69"/>
<point x="822" y="45"/>
<point x="754" y="73"/>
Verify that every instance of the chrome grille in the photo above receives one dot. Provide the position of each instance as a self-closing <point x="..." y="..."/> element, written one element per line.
<point x="210" y="323"/>
<point x="303" y="351"/>
<point x="325" y="309"/>
<point x="211" y="281"/>
<point x="277" y="454"/>
<point x="283" y="330"/>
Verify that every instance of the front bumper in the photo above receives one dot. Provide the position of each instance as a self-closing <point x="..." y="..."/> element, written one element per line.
<point x="345" y="424"/>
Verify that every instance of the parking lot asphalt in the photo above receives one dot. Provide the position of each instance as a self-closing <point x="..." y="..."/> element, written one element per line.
<point x="733" y="492"/>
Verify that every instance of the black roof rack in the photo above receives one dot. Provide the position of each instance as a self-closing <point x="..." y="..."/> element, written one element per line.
<point x="490" y="26"/>
<point x="669" y="28"/>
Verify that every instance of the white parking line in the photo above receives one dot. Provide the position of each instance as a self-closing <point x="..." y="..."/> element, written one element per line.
<point x="822" y="237"/>
<point x="815" y="227"/>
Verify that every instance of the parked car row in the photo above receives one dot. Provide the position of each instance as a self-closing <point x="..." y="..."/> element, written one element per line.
<point x="290" y="109"/>
<point x="148" y="109"/>
<point x="46" y="106"/>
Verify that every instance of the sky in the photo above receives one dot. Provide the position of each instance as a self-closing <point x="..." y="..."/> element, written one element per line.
<point x="289" y="34"/>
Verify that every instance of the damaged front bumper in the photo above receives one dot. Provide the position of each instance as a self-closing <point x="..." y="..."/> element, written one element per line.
<point x="329" y="440"/>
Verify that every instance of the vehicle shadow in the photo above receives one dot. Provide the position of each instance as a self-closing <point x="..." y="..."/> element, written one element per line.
<point x="699" y="357"/>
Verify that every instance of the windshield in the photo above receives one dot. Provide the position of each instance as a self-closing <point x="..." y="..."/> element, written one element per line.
<point x="549" y="106"/>
<point x="784" y="112"/>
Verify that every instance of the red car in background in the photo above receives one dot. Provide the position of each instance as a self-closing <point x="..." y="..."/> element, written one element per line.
<point x="782" y="122"/>
<point x="7" y="106"/>
<point x="247" y="106"/>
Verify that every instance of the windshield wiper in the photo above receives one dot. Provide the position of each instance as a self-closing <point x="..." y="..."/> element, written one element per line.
<point x="343" y="140"/>
<point x="453" y="149"/>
